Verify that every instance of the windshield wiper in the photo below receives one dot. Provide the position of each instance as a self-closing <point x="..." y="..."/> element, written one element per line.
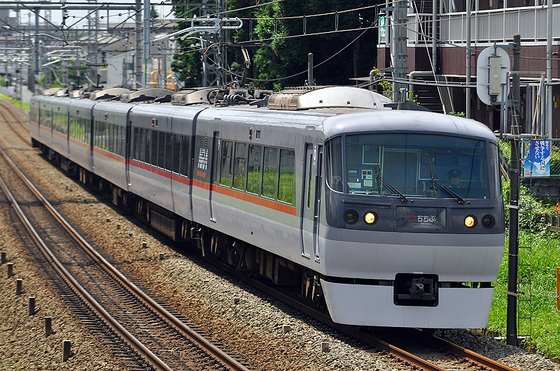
<point x="389" y="186"/>
<point x="448" y="190"/>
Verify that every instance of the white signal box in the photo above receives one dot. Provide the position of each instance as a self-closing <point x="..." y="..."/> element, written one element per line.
<point x="493" y="66"/>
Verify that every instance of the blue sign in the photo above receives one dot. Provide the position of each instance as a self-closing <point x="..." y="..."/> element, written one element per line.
<point x="537" y="158"/>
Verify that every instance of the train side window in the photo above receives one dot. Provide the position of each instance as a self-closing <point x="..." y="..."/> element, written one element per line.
<point x="225" y="163"/>
<point x="95" y="134"/>
<point x="81" y="129"/>
<point x="122" y="140"/>
<point x="155" y="142"/>
<point x="270" y="172"/>
<point x="176" y="158"/>
<point x="239" y="165"/>
<point x="254" y="169"/>
<point x="86" y="125"/>
<point x="161" y="149"/>
<point x="169" y="151"/>
<point x="110" y="137"/>
<point x="185" y="156"/>
<point x="286" y="181"/>
<point x="119" y="141"/>
<point x="136" y="143"/>
<point x="148" y="146"/>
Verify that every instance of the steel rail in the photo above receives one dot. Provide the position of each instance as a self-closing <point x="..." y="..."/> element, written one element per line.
<point x="397" y="352"/>
<point x="59" y="268"/>
<point x="472" y="356"/>
<point x="15" y="115"/>
<point x="185" y="330"/>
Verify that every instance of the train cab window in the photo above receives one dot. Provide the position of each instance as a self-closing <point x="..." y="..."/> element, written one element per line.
<point x="415" y="165"/>
<point x="254" y="169"/>
<point x="269" y="176"/>
<point x="239" y="165"/>
<point x="286" y="181"/>
<point x="225" y="163"/>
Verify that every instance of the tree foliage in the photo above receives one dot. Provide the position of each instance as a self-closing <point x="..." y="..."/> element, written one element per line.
<point x="279" y="39"/>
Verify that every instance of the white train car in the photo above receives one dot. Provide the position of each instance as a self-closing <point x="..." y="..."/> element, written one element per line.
<point x="323" y="189"/>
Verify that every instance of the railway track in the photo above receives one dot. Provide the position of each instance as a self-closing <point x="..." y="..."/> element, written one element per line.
<point x="400" y="344"/>
<point x="10" y="117"/>
<point x="155" y="339"/>
<point x="468" y="359"/>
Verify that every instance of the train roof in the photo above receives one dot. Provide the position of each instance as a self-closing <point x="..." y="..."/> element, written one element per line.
<point x="406" y="121"/>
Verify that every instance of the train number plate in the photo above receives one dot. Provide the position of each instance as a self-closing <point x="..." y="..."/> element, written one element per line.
<point x="421" y="217"/>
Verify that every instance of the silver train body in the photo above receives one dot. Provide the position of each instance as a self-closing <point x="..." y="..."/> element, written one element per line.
<point x="350" y="204"/>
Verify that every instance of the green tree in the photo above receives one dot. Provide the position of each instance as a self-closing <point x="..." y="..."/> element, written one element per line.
<point x="187" y="62"/>
<point x="274" y="36"/>
<point x="349" y="54"/>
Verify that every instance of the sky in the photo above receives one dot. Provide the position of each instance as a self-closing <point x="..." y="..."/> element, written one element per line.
<point x="75" y="17"/>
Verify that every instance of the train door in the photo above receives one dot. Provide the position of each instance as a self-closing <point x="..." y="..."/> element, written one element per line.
<point x="311" y="201"/>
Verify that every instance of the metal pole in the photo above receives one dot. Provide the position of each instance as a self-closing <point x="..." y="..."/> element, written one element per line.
<point x="513" y="252"/>
<point x="434" y="35"/>
<point x="399" y="57"/>
<point x="138" y="38"/>
<point x="310" y="81"/>
<point x="468" y="60"/>
<point x="147" y="16"/>
<point x="548" y="130"/>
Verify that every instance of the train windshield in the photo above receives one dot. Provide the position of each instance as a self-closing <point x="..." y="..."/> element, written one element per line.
<point x="413" y="165"/>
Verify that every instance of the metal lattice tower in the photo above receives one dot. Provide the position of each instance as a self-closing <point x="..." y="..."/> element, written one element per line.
<point x="92" y="57"/>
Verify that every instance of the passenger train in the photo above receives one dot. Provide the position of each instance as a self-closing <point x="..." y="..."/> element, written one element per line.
<point x="325" y="188"/>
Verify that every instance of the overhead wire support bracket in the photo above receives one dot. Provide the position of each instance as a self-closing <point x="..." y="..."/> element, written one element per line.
<point x="215" y="26"/>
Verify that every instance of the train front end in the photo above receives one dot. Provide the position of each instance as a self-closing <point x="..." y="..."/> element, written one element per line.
<point x="413" y="220"/>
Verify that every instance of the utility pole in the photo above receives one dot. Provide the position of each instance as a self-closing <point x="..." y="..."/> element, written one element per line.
<point x="93" y="23"/>
<point x="548" y="130"/>
<point x="513" y="251"/>
<point x="138" y="47"/>
<point x="147" y="16"/>
<point x="399" y="48"/>
<point x="468" y="62"/>
<point x="36" y="46"/>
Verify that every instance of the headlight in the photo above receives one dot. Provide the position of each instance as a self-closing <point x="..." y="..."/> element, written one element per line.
<point x="470" y="221"/>
<point x="488" y="221"/>
<point x="370" y="217"/>
<point x="350" y="216"/>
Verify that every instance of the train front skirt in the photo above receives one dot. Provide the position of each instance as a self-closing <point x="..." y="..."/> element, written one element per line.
<point x="372" y="305"/>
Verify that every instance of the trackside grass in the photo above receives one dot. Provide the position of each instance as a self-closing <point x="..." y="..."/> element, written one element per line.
<point x="545" y="318"/>
<point x="544" y="257"/>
